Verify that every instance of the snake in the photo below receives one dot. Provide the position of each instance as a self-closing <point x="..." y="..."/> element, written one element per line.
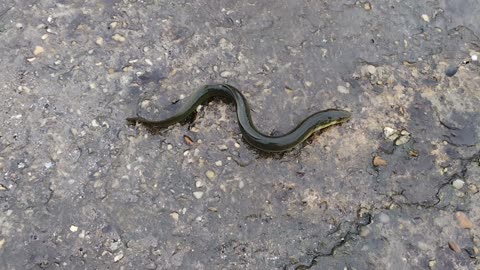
<point x="265" y="143"/>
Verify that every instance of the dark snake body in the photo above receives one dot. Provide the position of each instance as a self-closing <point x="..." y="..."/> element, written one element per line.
<point x="300" y="133"/>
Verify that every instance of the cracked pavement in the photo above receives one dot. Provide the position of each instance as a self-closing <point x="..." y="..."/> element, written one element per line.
<point x="396" y="187"/>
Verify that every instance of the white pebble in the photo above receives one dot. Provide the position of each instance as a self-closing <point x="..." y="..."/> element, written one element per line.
<point x="169" y="147"/>
<point x="402" y="140"/>
<point x="144" y="104"/>
<point x="73" y="228"/>
<point x="458" y="184"/>
<point x="95" y="123"/>
<point x="474" y="57"/>
<point x="38" y="50"/>
<point x="199" y="184"/>
<point x="371" y="69"/>
<point x="210" y="174"/>
<point x="425" y="17"/>
<point x="225" y="74"/>
<point x="342" y="89"/>
<point x="99" y="41"/>
<point x="175" y="216"/>
<point x="198" y="194"/>
<point x="219" y="163"/>
<point x="48" y="165"/>
<point x="118" y="38"/>
<point x="118" y="257"/>
<point x="389" y="133"/>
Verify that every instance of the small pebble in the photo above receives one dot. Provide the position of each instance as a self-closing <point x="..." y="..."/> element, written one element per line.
<point x="38" y="50"/>
<point x="169" y="147"/>
<point x="371" y="69"/>
<point x="48" y="165"/>
<point x="2" y="242"/>
<point x="459" y="194"/>
<point x="474" y="57"/>
<point x="423" y="246"/>
<point x="403" y="139"/>
<point x="19" y="25"/>
<point x="342" y="89"/>
<point x="210" y="174"/>
<point x="390" y="133"/>
<point x="144" y="104"/>
<point x="432" y="264"/>
<point x="118" y="38"/>
<point x="451" y="70"/>
<point x="118" y="257"/>
<point x="364" y="231"/>
<point x="225" y="74"/>
<point x="194" y="129"/>
<point x="198" y="194"/>
<point x="199" y="184"/>
<point x="115" y="246"/>
<point x="222" y="147"/>
<point x="218" y="163"/>
<point x="463" y="220"/>
<point x="472" y="187"/>
<point x="175" y="216"/>
<point x="413" y="153"/>
<point x="367" y="6"/>
<point x="95" y="123"/>
<point x="458" y="184"/>
<point x="99" y="41"/>
<point x="384" y="218"/>
<point x="425" y="17"/>
<point x="73" y="228"/>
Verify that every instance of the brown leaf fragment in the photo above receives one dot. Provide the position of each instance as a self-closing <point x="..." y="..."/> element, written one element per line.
<point x="379" y="161"/>
<point x="188" y="140"/>
<point x="463" y="220"/>
<point x="454" y="246"/>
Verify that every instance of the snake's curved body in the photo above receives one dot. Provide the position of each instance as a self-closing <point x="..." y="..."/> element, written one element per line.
<point x="300" y="133"/>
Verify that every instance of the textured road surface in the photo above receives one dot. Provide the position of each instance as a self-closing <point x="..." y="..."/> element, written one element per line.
<point x="394" y="188"/>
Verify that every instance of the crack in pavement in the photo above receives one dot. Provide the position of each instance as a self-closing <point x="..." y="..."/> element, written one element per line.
<point x="367" y="219"/>
<point x="353" y="230"/>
